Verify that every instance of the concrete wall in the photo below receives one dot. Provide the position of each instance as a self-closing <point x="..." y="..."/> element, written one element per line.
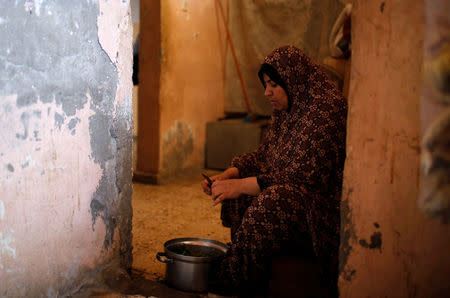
<point x="389" y="247"/>
<point x="148" y="108"/>
<point x="135" y="17"/>
<point x="191" y="60"/>
<point x="65" y="154"/>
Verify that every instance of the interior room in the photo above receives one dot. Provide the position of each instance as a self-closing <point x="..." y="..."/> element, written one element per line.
<point x="111" y="111"/>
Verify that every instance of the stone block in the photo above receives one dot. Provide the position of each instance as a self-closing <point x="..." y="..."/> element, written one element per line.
<point x="231" y="137"/>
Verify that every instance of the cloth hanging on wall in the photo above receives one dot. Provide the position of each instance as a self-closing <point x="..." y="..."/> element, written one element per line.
<point x="259" y="26"/>
<point x="340" y="42"/>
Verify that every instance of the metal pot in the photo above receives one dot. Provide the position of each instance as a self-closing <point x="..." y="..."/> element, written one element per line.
<point x="189" y="262"/>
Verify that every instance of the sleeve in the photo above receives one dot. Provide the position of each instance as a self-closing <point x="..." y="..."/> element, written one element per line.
<point x="262" y="185"/>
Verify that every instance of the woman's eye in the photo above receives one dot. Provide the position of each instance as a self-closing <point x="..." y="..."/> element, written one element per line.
<point x="273" y="85"/>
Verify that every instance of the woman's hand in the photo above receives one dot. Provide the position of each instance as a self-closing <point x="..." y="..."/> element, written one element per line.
<point x="206" y="187"/>
<point x="226" y="189"/>
<point x="229" y="173"/>
<point x="234" y="188"/>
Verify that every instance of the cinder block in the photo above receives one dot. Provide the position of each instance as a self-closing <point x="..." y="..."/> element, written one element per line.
<point x="227" y="138"/>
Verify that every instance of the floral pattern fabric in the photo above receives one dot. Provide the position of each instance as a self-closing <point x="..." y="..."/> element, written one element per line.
<point x="301" y="161"/>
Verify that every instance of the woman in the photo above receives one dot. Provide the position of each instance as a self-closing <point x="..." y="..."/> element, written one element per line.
<point x="291" y="185"/>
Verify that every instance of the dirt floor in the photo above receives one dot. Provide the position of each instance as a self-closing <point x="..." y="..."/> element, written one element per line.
<point x="174" y="210"/>
<point x="160" y="213"/>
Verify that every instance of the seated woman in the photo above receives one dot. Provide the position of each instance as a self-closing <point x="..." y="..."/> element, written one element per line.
<point x="291" y="185"/>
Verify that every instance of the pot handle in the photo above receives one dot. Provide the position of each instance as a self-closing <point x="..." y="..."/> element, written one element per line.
<point x="162" y="257"/>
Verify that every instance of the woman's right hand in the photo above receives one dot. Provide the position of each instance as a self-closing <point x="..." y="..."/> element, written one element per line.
<point x="206" y="187"/>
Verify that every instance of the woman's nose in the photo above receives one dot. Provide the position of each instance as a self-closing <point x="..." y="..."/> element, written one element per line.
<point x="267" y="91"/>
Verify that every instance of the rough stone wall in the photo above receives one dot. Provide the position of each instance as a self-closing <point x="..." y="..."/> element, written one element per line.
<point x="65" y="154"/>
<point x="389" y="247"/>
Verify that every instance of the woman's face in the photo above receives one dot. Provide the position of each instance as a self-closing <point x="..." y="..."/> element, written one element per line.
<point x="276" y="94"/>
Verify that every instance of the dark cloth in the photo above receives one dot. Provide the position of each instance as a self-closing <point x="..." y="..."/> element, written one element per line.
<point x="135" y="76"/>
<point x="300" y="163"/>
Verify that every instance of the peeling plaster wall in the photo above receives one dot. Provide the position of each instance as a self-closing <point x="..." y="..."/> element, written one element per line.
<point x="193" y="52"/>
<point x="389" y="247"/>
<point x="65" y="154"/>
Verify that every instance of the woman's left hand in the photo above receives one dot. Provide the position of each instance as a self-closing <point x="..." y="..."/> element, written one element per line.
<point x="226" y="189"/>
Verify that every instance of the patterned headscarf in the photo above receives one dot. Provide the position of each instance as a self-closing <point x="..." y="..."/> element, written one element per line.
<point x="316" y="121"/>
<point x="306" y="83"/>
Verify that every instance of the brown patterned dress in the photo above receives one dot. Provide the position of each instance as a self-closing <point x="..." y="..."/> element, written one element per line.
<point x="300" y="161"/>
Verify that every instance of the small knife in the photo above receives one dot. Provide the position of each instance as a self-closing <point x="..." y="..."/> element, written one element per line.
<point x="208" y="179"/>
